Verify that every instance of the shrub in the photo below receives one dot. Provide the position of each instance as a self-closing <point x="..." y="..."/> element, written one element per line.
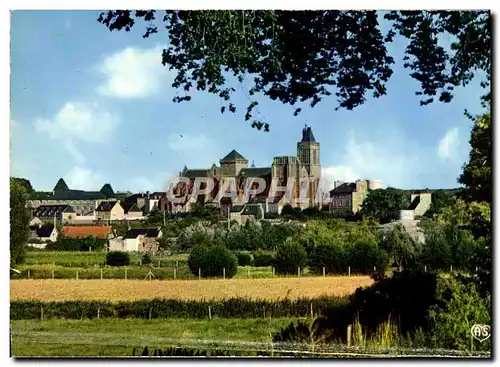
<point x="212" y="260"/>
<point x="330" y="256"/>
<point x="289" y="257"/>
<point x="263" y="258"/>
<point x="244" y="258"/>
<point x="364" y="256"/>
<point x="462" y="306"/>
<point x="117" y="258"/>
<point x="146" y="259"/>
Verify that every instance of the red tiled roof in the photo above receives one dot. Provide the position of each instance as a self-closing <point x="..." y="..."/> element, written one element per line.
<point x="85" y="231"/>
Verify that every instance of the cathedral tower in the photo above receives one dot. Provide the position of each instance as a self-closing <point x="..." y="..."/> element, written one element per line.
<point x="308" y="154"/>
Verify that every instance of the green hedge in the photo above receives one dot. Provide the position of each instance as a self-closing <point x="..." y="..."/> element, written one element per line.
<point x="169" y="308"/>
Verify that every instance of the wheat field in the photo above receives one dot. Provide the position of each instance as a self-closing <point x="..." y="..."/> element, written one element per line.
<point x="209" y="289"/>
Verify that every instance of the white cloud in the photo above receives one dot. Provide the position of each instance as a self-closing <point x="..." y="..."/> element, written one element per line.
<point x="392" y="160"/>
<point x="83" y="179"/>
<point x="134" y="73"/>
<point x="78" y="121"/>
<point x="448" y="145"/>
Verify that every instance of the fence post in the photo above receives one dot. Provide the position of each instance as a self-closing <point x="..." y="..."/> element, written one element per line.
<point x="312" y="315"/>
<point x="150" y="311"/>
<point x="349" y="271"/>
<point x="451" y="268"/>
<point x="140" y="262"/>
<point x="224" y="273"/>
<point x="264" y="311"/>
<point x="101" y="274"/>
<point x="349" y="335"/>
<point x="125" y="273"/>
<point x="77" y="275"/>
<point x="28" y="273"/>
<point x="177" y="264"/>
<point x="425" y="268"/>
<point x="41" y="313"/>
<point x="98" y="311"/>
<point x="159" y="263"/>
<point x="209" y="313"/>
<point x="175" y="273"/>
<point x="248" y="271"/>
<point x="374" y="269"/>
<point x="273" y="270"/>
<point x="298" y="271"/>
<point x="52" y="274"/>
<point x="324" y="273"/>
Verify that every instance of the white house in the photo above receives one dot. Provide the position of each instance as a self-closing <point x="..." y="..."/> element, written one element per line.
<point x="41" y="234"/>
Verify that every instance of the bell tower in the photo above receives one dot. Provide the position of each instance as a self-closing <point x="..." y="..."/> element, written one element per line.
<point x="308" y="154"/>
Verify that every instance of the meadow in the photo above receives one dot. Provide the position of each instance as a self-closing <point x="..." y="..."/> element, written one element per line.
<point x="118" y="337"/>
<point x="118" y="289"/>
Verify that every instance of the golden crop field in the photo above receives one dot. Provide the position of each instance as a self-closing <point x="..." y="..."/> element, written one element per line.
<point x="118" y="289"/>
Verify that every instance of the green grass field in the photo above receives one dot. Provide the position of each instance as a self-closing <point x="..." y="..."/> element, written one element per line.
<point x="66" y="264"/>
<point x="118" y="337"/>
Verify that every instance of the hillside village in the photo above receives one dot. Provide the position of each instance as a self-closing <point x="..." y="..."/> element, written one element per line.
<point x="68" y="207"/>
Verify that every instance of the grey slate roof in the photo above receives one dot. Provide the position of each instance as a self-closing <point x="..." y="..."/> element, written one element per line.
<point x="77" y="195"/>
<point x="252" y="210"/>
<point x="255" y="172"/>
<point x="307" y="135"/>
<point x="45" y="230"/>
<point x="232" y="156"/>
<point x="414" y="203"/>
<point x="237" y="208"/>
<point x="106" y="206"/>
<point x="131" y="208"/>
<point x="193" y="173"/>
<point x="61" y="186"/>
<point x="146" y="232"/>
<point x="48" y="211"/>
<point x="345" y="188"/>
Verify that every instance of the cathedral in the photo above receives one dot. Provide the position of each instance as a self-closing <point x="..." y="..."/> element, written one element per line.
<point x="300" y="173"/>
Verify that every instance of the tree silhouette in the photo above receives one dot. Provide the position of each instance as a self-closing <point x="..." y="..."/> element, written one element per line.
<point x="304" y="56"/>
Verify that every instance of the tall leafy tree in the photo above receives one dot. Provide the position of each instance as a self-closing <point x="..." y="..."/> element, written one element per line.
<point x="25" y="183"/>
<point x="476" y="175"/>
<point x="19" y="221"/>
<point x="304" y="56"/>
<point x="385" y="204"/>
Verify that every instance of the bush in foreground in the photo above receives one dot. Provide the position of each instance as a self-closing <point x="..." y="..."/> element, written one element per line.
<point x="117" y="258"/>
<point x="289" y="257"/>
<point x="263" y="258"/>
<point x="213" y="261"/>
<point x="244" y="258"/>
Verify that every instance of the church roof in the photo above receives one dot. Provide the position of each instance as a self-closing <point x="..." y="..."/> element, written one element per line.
<point x="61" y="186"/>
<point x="255" y="172"/>
<point x="107" y="190"/>
<point x="307" y="135"/>
<point x="233" y="156"/>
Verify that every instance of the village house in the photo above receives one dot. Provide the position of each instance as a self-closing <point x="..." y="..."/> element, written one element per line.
<point x="81" y="201"/>
<point x="40" y="234"/>
<point x="141" y="240"/>
<point x="348" y="197"/>
<point x="104" y="232"/>
<point x="132" y="211"/>
<point x="61" y="213"/>
<point x="110" y="210"/>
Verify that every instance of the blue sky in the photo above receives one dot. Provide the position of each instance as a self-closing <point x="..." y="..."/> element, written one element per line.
<point x="94" y="106"/>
